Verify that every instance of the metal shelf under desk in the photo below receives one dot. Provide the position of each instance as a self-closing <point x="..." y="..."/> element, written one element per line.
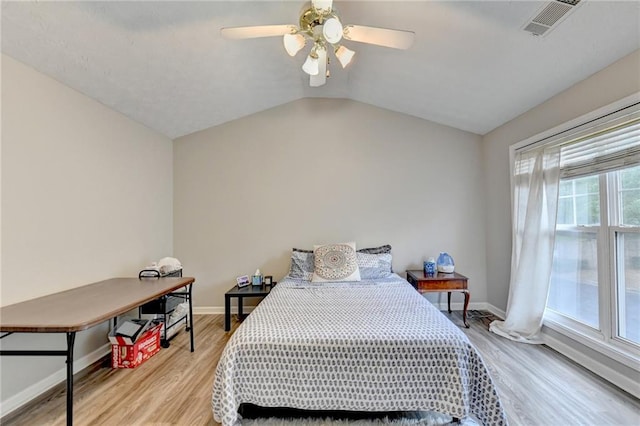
<point x="165" y="306"/>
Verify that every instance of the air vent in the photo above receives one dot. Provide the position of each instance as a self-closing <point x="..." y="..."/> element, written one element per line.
<point x="570" y="2"/>
<point x="549" y="16"/>
<point x="536" y="29"/>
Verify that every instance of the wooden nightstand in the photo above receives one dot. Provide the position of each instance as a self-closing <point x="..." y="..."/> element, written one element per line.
<point x="442" y="282"/>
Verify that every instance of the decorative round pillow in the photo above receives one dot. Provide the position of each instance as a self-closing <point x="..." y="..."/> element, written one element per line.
<point x="336" y="262"/>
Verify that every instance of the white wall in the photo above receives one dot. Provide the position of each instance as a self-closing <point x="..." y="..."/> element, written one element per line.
<point x="619" y="80"/>
<point x="319" y="171"/>
<point x="86" y="195"/>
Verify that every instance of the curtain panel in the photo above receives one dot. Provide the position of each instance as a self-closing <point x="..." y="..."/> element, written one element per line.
<point x="536" y="178"/>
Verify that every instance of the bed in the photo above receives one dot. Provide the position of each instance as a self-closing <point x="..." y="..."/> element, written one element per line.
<point x="373" y="345"/>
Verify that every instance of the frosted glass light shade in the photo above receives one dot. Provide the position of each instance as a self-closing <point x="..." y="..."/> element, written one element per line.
<point x="311" y="66"/>
<point x="332" y="30"/>
<point x="293" y="43"/>
<point x="344" y="55"/>
<point x="322" y="5"/>
<point x="320" y="78"/>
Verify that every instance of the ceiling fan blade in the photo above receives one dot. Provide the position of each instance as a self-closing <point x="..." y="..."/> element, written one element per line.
<point x="397" y="39"/>
<point x="257" y="31"/>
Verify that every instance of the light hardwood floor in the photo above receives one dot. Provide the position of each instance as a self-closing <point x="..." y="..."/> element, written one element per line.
<point x="537" y="386"/>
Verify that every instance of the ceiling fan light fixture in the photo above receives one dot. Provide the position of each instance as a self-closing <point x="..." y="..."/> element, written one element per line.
<point x="293" y="43"/>
<point x="321" y="25"/>
<point x="344" y="55"/>
<point x="322" y="7"/>
<point x="332" y="30"/>
<point x="311" y="65"/>
<point x="320" y="78"/>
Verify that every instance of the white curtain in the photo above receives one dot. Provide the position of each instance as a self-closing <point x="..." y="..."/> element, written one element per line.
<point x="536" y="179"/>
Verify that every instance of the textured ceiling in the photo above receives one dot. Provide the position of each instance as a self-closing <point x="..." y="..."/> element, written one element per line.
<point x="165" y="65"/>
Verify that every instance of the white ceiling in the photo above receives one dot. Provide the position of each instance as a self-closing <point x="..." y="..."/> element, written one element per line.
<point x="165" y="65"/>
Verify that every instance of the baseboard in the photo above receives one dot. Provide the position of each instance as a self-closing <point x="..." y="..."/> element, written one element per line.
<point x="625" y="383"/>
<point x="23" y="397"/>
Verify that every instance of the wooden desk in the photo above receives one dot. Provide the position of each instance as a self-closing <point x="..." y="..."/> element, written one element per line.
<point x="81" y="308"/>
<point x="442" y="282"/>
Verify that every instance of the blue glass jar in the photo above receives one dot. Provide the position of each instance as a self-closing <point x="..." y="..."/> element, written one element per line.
<point x="445" y="263"/>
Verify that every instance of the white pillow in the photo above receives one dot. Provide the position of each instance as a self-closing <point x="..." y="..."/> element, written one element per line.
<point x="374" y="266"/>
<point x="335" y="262"/>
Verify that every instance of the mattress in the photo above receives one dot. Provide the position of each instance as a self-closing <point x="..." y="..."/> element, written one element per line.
<point x="373" y="345"/>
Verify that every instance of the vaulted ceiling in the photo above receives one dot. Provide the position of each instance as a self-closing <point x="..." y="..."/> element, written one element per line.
<point x="164" y="64"/>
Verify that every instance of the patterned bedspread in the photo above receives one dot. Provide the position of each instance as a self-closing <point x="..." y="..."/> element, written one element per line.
<point x="367" y="346"/>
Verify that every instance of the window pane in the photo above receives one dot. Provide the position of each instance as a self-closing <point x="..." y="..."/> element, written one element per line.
<point x="628" y="258"/>
<point x="583" y="195"/>
<point x="586" y="185"/>
<point x="587" y="209"/>
<point x="565" y="211"/>
<point x="630" y="178"/>
<point x="630" y="200"/>
<point x="566" y="188"/>
<point x="573" y="288"/>
<point x="630" y="196"/>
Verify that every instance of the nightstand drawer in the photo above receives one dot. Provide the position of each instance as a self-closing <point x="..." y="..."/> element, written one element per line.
<point x="440" y="285"/>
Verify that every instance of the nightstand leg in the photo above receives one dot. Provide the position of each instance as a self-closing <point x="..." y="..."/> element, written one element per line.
<point x="227" y="313"/>
<point x="193" y="346"/>
<point x="467" y="296"/>
<point x="240" y="313"/>
<point x="449" y="301"/>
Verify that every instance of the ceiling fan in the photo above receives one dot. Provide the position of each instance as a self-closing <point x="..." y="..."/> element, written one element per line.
<point x="320" y="25"/>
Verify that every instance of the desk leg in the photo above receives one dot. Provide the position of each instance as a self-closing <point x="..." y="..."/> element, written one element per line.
<point x="449" y="301"/>
<point x="191" y="319"/>
<point x="227" y="312"/>
<point x="70" y="341"/>
<point x="467" y="296"/>
<point x="164" y="341"/>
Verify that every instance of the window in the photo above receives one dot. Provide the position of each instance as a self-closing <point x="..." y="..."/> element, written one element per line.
<point x="574" y="290"/>
<point x="595" y="280"/>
